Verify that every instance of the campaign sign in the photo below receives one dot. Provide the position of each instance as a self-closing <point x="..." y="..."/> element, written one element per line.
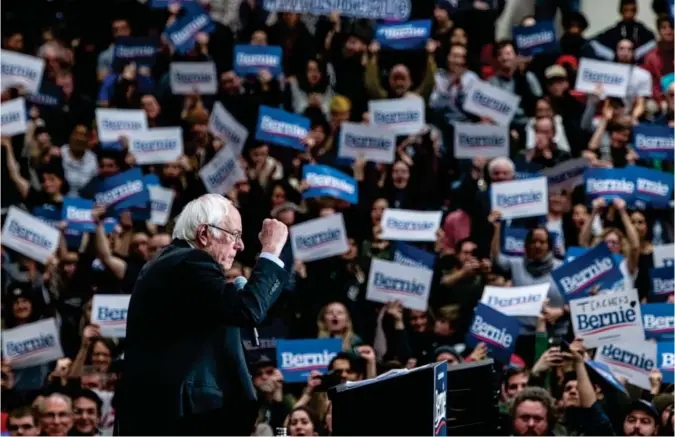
<point x="664" y="255"/>
<point x="513" y="241"/>
<point x="410" y="225"/>
<point x="440" y="398"/>
<point x="665" y="358"/>
<point x="21" y="70"/>
<point x="193" y="77"/>
<point x="653" y="141"/>
<point x="401" y="116"/>
<point x="412" y="256"/>
<point x="484" y="140"/>
<point x="32" y="344"/>
<point x="109" y="311"/>
<point x="163" y="4"/>
<point x="395" y="10"/>
<point x="663" y="280"/>
<point x="566" y="176"/>
<point x="498" y="331"/>
<point x="521" y="198"/>
<point x="596" y="270"/>
<point x="224" y="126"/>
<point x="113" y="123"/>
<point x="298" y="358"/>
<point x="610" y="318"/>
<point x="182" y="33"/>
<point x="283" y="128"/>
<point x="412" y="35"/>
<point x="652" y="186"/>
<point x="222" y="172"/>
<point x="159" y="145"/>
<point x="48" y="96"/>
<point x="389" y="281"/>
<point x="123" y="191"/>
<point x="532" y="40"/>
<point x="604" y="372"/>
<point x="325" y="181"/>
<point x="613" y="77"/>
<point x="140" y="50"/>
<point x="659" y="321"/>
<point x="609" y="183"/>
<point x="77" y="213"/>
<point x="516" y="301"/>
<point x="29" y="235"/>
<point x="376" y="144"/>
<point x="13" y="116"/>
<point x="161" y="201"/>
<point x="319" y="238"/>
<point x="632" y="360"/>
<point x="249" y="59"/>
<point x="485" y="100"/>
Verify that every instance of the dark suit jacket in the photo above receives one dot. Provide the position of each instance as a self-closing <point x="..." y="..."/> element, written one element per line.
<point x="184" y="367"/>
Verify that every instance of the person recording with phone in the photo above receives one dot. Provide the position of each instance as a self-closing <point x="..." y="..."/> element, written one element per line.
<point x="185" y="315"/>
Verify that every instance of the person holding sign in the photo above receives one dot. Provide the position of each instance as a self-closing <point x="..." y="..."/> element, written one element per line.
<point x="189" y="393"/>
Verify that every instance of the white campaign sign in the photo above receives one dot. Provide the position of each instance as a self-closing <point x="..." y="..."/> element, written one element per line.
<point x="20" y="69"/>
<point x="410" y="225"/>
<point x="32" y="344"/>
<point x="156" y="146"/>
<point x="633" y="360"/>
<point x="401" y="116"/>
<point x="376" y="144"/>
<point x="222" y="172"/>
<point x="319" y="238"/>
<point x="516" y="301"/>
<point x="223" y="125"/>
<point x="608" y="318"/>
<point x="520" y="198"/>
<point x="389" y="281"/>
<point x="29" y="235"/>
<point x="613" y="77"/>
<point x="14" y="117"/>
<point x="113" y="123"/>
<point x="663" y="255"/>
<point x="161" y="201"/>
<point x="566" y="175"/>
<point x="485" y="100"/>
<point x="484" y="140"/>
<point x="190" y="77"/>
<point x="109" y="311"/>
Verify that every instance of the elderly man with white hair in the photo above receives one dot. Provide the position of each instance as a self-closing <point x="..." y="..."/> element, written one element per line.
<point x="184" y="371"/>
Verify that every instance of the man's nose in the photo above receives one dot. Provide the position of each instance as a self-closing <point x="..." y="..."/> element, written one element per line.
<point x="239" y="245"/>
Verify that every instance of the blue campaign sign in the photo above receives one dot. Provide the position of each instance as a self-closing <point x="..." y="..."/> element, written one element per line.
<point x="297" y="358"/>
<point x="404" y="36"/>
<point x="606" y="374"/>
<point x="576" y="251"/>
<point x="48" y="96"/>
<point x="250" y="59"/>
<point x="325" y="181"/>
<point x="123" y="191"/>
<point x="652" y="186"/>
<point x="412" y="256"/>
<point x="594" y="270"/>
<point x="498" y="331"/>
<point x="283" y="128"/>
<point x="532" y="40"/>
<point x="664" y="360"/>
<point x="652" y="141"/>
<point x="141" y="50"/>
<point x="109" y="224"/>
<point x="182" y="32"/>
<point x="513" y="241"/>
<point x="663" y="279"/>
<point x="77" y="213"/>
<point x="373" y="9"/>
<point x="151" y="179"/>
<point x="440" y="399"/>
<point x="658" y="321"/>
<point x="609" y="183"/>
<point x="51" y="215"/>
<point x="163" y="4"/>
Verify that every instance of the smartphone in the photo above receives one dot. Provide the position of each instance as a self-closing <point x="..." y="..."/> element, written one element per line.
<point x="554" y="342"/>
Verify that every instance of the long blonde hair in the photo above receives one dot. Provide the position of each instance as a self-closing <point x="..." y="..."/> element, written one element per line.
<point x="348" y="333"/>
<point x="625" y="245"/>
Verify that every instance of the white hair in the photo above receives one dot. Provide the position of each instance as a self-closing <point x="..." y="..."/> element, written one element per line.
<point x="210" y="209"/>
<point x="501" y="161"/>
<point x="60" y="396"/>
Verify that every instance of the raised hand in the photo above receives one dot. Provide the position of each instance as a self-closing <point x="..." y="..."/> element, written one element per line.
<point x="273" y="236"/>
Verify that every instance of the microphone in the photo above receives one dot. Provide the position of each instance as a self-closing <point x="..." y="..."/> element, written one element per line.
<point x="239" y="283"/>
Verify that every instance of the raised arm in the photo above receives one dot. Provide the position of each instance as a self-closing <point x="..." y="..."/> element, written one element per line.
<point x="116" y="265"/>
<point x="22" y="185"/>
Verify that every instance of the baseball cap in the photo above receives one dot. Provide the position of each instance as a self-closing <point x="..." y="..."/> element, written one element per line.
<point x="647" y="407"/>
<point x="555" y="72"/>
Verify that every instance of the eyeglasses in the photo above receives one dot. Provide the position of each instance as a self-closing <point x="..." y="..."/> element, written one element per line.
<point x="235" y="235"/>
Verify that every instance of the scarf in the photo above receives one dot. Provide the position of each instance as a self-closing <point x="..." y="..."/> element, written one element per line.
<point x="539" y="268"/>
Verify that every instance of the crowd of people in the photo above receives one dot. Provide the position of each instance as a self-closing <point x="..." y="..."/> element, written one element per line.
<point x="332" y="66"/>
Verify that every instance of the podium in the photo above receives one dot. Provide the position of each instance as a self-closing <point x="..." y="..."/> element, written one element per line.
<point x="400" y="402"/>
<point x="430" y="400"/>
